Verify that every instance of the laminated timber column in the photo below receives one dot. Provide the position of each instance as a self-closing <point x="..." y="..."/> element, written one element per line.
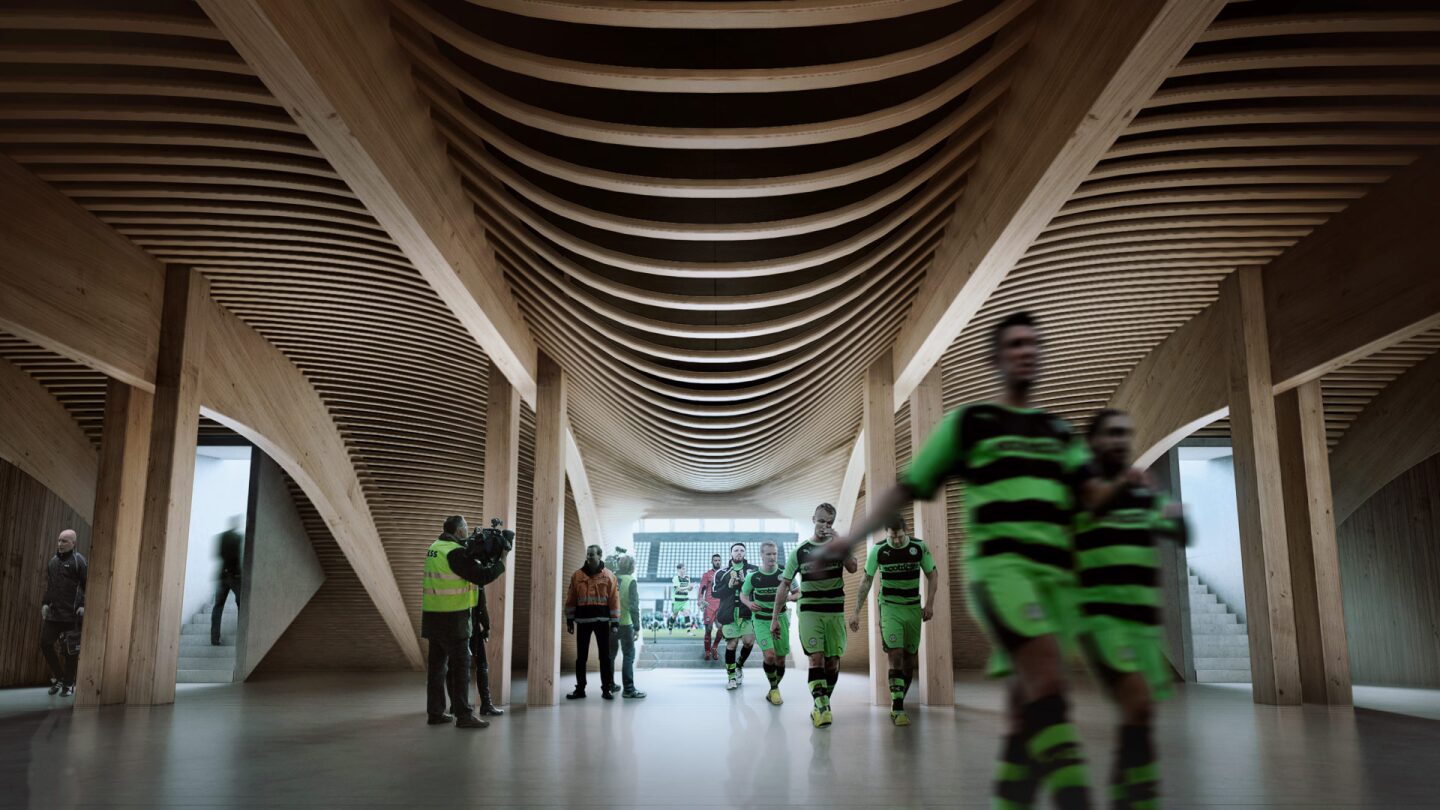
<point x="937" y="662"/>
<point x="114" y="546"/>
<point x="1264" y="554"/>
<point x="543" y="669"/>
<point x="170" y="475"/>
<point x="879" y="427"/>
<point x="502" y="466"/>
<point x="1324" y="653"/>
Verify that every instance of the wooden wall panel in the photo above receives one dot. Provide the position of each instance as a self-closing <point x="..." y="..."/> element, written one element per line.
<point x="572" y="559"/>
<point x="30" y="518"/>
<point x="1390" y="570"/>
<point x="524" y="539"/>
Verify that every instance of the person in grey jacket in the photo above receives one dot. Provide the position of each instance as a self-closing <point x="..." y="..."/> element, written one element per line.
<point x="62" y="609"/>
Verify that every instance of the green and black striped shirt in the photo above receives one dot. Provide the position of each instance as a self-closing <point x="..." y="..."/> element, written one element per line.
<point x="899" y="569"/>
<point x="1115" y="556"/>
<point x="760" y="587"/>
<point x="1022" y="468"/>
<point x="822" y="590"/>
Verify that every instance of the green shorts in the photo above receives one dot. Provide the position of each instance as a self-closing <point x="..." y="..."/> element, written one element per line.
<point x="1016" y="603"/>
<point x="739" y="628"/>
<point x="679" y="605"/>
<point x="764" y="641"/>
<point x="1115" y="648"/>
<point x="822" y="633"/>
<point x="900" y="627"/>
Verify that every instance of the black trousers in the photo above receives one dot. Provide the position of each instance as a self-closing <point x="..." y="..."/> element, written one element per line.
<point x="62" y="665"/>
<point x="482" y="669"/>
<point x="601" y="631"/>
<point x="448" y="670"/>
<point x="223" y="590"/>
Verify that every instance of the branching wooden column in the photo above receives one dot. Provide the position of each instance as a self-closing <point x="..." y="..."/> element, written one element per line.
<point x="1324" y="653"/>
<point x="1264" y="554"/>
<point x="879" y="427"/>
<point x="114" y="546"/>
<point x="165" y="525"/>
<point x="937" y="662"/>
<point x="502" y="466"/>
<point x="543" y="670"/>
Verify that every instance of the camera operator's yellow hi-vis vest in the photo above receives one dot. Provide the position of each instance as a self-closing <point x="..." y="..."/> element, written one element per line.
<point x="625" y="580"/>
<point x="445" y="590"/>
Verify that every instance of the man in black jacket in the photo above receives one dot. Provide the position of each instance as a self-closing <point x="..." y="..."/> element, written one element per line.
<point x="62" y="608"/>
<point x="448" y="627"/>
<point x="480" y="634"/>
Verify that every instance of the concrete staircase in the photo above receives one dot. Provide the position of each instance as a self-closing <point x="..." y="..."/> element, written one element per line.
<point x="678" y="653"/>
<point x="1220" y="640"/>
<point x="199" y="661"/>
<point x="686" y="653"/>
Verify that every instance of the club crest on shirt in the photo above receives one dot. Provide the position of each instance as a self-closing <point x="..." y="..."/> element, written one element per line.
<point x="914" y="552"/>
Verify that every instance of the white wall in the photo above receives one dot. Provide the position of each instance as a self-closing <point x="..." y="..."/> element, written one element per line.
<point x="1207" y="485"/>
<point x="222" y="487"/>
<point x="281" y="569"/>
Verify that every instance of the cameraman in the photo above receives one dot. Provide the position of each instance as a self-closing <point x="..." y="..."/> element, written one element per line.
<point x="488" y="547"/>
<point x="450" y="591"/>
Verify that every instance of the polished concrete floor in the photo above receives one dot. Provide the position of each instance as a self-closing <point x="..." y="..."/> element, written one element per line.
<point x="345" y="740"/>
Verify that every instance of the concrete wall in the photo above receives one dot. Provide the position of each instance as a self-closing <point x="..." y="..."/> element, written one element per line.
<point x="1208" y="487"/>
<point x="221" y="491"/>
<point x="282" y="571"/>
<point x="1390" y="573"/>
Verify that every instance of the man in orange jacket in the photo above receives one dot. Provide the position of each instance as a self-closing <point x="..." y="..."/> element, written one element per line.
<point x="593" y="603"/>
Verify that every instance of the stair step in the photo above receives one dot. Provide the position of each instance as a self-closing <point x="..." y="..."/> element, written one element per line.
<point x="198" y="640"/>
<point x="1209" y="620"/>
<point x="1222" y="676"/>
<point x="1211" y="645"/>
<point x="207" y="651"/>
<point x="227" y="627"/>
<point x="1232" y="630"/>
<point x="228" y="617"/>
<point x="1207" y="607"/>
<point x="206" y="664"/>
<point x="205" y="676"/>
<point x="1238" y="662"/>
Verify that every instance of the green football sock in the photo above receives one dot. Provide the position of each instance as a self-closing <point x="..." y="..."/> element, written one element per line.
<point x="897" y="690"/>
<point x="1054" y="746"/>
<point x="1015" y="779"/>
<point x="1135" y="784"/>
<point x="817" y="687"/>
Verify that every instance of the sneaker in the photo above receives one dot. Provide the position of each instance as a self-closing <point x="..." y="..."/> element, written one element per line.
<point x="471" y="721"/>
<point x="607" y="694"/>
<point x="826" y="717"/>
<point x="633" y="694"/>
<point x="731" y="685"/>
<point x="55" y="686"/>
<point x="773" y="697"/>
<point x="900" y="718"/>
<point x="817" y="718"/>
<point x="491" y="711"/>
<point x="740" y="676"/>
<point x="439" y="719"/>
<point x="68" y="691"/>
<point x="578" y="694"/>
